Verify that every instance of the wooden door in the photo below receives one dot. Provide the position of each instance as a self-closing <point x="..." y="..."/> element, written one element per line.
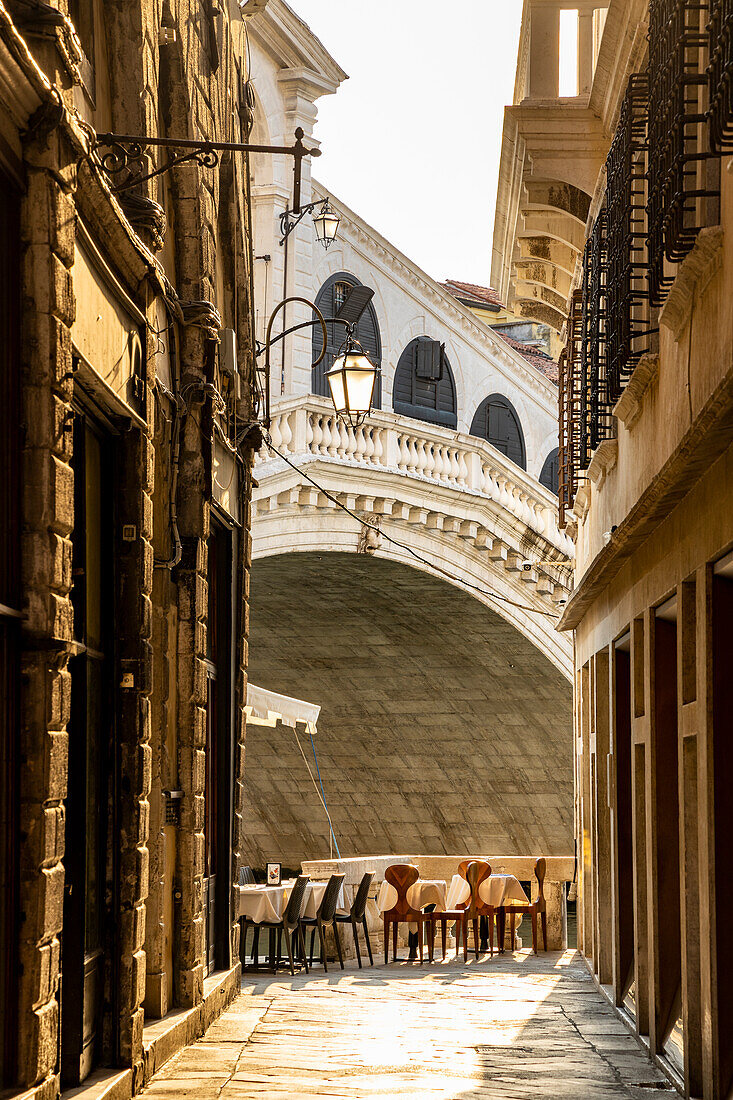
<point x="90" y="738"/>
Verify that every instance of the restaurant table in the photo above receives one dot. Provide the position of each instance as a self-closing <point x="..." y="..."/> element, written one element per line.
<point x="423" y="893"/>
<point x="260" y="903"/>
<point x="495" y="890"/>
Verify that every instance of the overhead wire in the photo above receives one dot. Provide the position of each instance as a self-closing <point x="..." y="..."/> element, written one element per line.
<point x="321" y="798"/>
<point x="404" y="546"/>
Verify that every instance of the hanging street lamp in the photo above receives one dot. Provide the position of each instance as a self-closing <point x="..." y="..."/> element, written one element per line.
<point x="325" y="221"/>
<point x="351" y="380"/>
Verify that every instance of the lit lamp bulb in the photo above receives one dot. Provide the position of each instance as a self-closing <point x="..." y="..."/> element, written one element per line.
<point x="326" y="223"/>
<point x="351" y="380"/>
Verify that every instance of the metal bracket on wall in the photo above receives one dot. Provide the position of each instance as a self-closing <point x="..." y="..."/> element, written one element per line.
<point x="127" y="153"/>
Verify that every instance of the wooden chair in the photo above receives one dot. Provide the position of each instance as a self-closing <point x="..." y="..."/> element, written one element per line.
<point x="483" y="917"/>
<point x="534" y="908"/>
<point x="357" y="915"/>
<point x="326" y="917"/>
<point x="402" y="876"/>
<point x="476" y="872"/>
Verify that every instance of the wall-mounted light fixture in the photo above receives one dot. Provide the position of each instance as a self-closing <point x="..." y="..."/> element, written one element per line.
<point x="352" y="378"/>
<point x="325" y="221"/>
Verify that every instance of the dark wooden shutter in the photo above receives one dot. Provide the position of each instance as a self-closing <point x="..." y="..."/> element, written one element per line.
<point x="496" y="421"/>
<point x="432" y="398"/>
<point x="551" y="472"/>
<point x="328" y="301"/>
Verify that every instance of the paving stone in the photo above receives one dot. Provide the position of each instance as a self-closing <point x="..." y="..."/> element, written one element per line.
<point x="513" y="1027"/>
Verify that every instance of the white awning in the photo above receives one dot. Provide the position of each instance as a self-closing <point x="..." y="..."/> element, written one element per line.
<point x="266" y="708"/>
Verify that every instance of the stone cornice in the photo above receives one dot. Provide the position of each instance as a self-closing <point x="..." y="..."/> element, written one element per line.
<point x="282" y="34"/>
<point x="695" y="272"/>
<point x="380" y="250"/>
<point x="629" y="405"/>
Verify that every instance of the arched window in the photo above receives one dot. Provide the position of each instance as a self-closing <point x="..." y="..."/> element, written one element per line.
<point x="496" y="420"/>
<point x="330" y="298"/>
<point x="550" y="476"/>
<point x="424" y="387"/>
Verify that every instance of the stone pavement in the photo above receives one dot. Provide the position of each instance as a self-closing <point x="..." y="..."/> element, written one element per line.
<point x="510" y="1028"/>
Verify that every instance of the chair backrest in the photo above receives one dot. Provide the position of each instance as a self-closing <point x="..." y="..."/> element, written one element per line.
<point x="295" y="901"/>
<point x="476" y="872"/>
<point x="540" y="870"/>
<point x="327" y="908"/>
<point x="362" y="894"/>
<point x="402" y="876"/>
<point x="246" y="876"/>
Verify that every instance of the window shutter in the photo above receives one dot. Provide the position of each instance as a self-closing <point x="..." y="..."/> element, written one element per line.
<point x="429" y="360"/>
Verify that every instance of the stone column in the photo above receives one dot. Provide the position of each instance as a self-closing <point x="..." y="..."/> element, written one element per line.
<point x="47" y="235"/>
<point x="544" y="51"/>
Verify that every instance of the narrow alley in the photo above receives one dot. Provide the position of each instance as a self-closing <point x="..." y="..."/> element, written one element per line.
<point x="511" y="1027"/>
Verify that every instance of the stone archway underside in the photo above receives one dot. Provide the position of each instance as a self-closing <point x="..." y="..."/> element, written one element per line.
<point x="442" y="728"/>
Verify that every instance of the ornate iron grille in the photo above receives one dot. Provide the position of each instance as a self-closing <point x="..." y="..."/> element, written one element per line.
<point x="720" y="76"/>
<point x="678" y="149"/>
<point x="629" y="324"/>
<point x="595" y="411"/>
<point x="570" y="399"/>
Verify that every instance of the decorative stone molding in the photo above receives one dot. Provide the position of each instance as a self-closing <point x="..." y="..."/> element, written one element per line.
<point x="582" y="503"/>
<point x="604" y="459"/>
<point x="629" y="405"/>
<point x="695" y="272"/>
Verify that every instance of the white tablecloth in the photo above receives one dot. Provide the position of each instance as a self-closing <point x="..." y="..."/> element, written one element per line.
<point x="423" y="892"/>
<point x="268" y="903"/>
<point x="494" y="890"/>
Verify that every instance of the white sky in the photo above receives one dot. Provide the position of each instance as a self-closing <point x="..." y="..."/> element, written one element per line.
<point x="412" y="140"/>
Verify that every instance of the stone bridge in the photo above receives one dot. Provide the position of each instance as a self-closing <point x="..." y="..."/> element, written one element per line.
<point x="466" y="510"/>
<point x="446" y="711"/>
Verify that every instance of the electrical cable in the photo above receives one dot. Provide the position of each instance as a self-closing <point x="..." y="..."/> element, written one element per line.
<point x="404" y="546"/>
<point x="320" y="798"/>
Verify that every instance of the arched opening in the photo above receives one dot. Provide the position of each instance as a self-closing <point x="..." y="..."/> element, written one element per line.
<point x="426" y="727"/>
<point x="330" y="298"/>
<point x="551" y="472"/>
<point x="496" y="420"/>
<point x="424" y="387"/>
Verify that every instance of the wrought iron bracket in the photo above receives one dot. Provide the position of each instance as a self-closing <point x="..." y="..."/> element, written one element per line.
<point x="128" y="152"/>
<point x="290" y="218"/>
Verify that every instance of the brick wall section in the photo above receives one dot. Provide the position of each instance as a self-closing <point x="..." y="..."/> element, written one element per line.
<point x="47" y="232"/>
<point x="442" y="729"/>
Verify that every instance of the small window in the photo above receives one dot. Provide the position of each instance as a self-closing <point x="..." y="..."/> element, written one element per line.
<point x="496" y="421"/>
<point x="424" y="387"/>
<point x="550" y="476"/>
<point x="329" y="301"/>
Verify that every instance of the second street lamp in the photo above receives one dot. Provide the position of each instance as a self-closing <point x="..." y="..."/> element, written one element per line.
<point x="326" y="223"/>
<point x="351" y="381"/>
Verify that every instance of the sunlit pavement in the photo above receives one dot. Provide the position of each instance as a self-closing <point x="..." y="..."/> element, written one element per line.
<point x="510" y="1027"/>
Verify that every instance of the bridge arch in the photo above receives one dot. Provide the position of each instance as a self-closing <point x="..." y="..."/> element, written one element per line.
<point x="442" y="729"/>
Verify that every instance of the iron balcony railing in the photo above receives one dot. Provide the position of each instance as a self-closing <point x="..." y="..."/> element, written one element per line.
<point x="629" y="325"/>
<point x="678" y="148"/>
<point x="571" y="397"/>
<point x="720" y="76"/>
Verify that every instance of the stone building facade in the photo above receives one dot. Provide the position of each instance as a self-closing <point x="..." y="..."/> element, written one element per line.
<point x="646" y="464"/>
<point x="124" y="535"/>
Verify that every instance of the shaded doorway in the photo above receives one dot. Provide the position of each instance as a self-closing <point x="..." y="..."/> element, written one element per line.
<point x="91" y="797"/>
<point x="623" y="823"/>
<point x="218" y="819"/>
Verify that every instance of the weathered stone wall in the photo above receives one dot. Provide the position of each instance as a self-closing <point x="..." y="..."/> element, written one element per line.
<point x="442" y="729"/>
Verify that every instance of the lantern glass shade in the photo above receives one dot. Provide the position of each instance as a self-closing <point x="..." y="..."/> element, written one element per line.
<point x="326" y="222"/>
<point x="351" y="380"/>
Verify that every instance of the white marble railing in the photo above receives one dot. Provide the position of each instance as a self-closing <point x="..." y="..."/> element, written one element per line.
<point x="386" y="441"/>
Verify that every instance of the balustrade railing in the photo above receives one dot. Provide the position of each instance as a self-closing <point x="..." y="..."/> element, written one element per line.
<point x="386" y="442"/>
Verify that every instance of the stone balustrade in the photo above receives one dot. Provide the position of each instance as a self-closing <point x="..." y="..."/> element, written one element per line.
<point x="386" y="441"/>
<point x="560" y="870"/>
